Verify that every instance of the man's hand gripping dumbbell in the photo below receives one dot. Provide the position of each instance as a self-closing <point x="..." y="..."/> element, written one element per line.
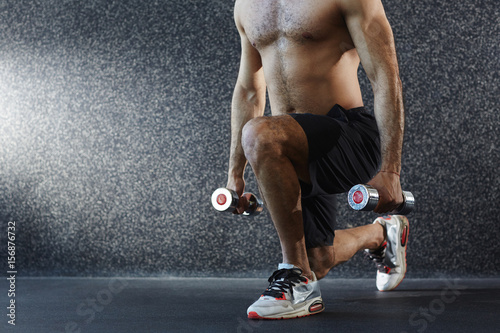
<point x="225" y="200"/>
<point x="365" y="197"/>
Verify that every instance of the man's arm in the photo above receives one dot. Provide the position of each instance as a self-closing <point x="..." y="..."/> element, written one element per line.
<point x="374" y="41"/>
<point x="249" y="100"/>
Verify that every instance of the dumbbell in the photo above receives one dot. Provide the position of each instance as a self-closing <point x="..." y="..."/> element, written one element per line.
<point x="365" y="197"/>
<point x="225" y="200"/>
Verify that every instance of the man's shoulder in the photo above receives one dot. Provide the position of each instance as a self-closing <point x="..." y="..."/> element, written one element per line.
<point x="238" y="9"/>
<point x="239" y="6"/>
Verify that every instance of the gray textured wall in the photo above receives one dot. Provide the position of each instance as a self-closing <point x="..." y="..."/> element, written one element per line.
<point x="114" y="130"/>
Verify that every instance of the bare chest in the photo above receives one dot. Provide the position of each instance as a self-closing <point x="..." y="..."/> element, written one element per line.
<point x="265" y="21"/>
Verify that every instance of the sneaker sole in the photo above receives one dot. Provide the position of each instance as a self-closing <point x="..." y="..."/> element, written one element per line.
<point x="314" y="306"/>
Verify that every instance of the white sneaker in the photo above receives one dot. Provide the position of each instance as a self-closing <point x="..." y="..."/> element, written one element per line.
<point x="391" y="256"/>
<point x="289" y="295"/>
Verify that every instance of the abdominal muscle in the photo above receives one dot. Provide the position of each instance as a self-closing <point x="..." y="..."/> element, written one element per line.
<point x="309" y="80"/>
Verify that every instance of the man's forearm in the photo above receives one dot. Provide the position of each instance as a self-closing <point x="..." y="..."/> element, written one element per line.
<point x="389" y="112"/>
<point x="245" y="106"/>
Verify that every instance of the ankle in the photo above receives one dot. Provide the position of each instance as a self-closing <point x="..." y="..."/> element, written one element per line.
<point x="380" y="236"/>
<point x="305" y="272"/>
<point x="308" y="273"/>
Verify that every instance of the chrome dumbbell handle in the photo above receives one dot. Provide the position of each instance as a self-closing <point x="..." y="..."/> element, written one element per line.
<point x="225" y="200"/>
<point x="255" y="205"/>
<point x="365" y="198"/>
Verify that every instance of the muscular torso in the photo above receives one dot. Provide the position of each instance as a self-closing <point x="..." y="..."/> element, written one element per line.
<point x="307" y="54"/>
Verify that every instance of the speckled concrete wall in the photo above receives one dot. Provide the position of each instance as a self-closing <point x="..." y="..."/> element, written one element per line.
<point x="114" y="130"/>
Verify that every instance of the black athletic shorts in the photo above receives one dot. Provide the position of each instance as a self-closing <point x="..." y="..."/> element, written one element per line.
<point x="344" y="150"/>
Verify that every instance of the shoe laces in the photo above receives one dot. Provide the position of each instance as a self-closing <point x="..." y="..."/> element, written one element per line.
<point x="283" y="280"/>
<point x="378" y="257"/>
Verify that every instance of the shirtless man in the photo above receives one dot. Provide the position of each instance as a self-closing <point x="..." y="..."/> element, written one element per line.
<point x="306" y="54"/>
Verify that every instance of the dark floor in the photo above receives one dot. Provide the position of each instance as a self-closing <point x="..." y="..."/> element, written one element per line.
<point x="219" y="305"/>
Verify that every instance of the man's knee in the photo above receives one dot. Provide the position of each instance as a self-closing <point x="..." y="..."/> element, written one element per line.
<point x="259" y="139"/>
